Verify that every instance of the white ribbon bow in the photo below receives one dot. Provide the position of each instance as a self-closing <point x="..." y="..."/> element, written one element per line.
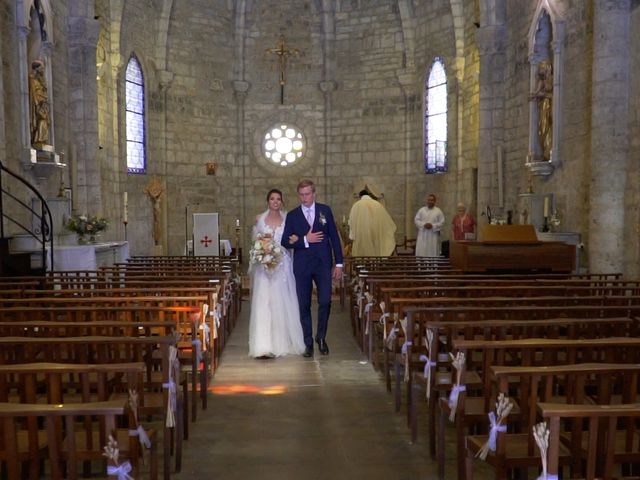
<point x="121" y="471"/>
<point x="172" y="404"/>
<point x="427" y="372"/>
<point x="206" y="331"/>
<point x="453" y="399"/>
<point x="493" y="433"/>
<point x="142" y="436"/>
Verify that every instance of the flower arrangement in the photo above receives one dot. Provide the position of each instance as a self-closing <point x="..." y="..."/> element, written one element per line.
<point x="266" y="252"/>
<point x="86" y="224"/>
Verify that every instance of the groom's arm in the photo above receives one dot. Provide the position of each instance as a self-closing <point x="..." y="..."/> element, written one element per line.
<point x="288" y="232"/>
<point x="334" y="238"/>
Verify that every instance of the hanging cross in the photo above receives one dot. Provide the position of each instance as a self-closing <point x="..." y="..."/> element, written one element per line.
<point x="282" y="51"/>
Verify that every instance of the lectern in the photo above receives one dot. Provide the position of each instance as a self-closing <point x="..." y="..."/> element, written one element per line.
<point x="512" y="249"/>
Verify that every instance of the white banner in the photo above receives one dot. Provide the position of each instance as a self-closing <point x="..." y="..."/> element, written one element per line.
<point x="206" y="237"/>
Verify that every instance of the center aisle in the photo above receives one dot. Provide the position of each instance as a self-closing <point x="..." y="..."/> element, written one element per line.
<point x="329" y="417"/>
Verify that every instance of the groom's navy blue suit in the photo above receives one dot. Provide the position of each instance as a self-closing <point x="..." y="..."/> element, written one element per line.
<point x="313" y="264"/>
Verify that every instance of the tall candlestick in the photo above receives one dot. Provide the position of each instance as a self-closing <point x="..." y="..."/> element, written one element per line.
<point x="546" y="207"/>
<point x="125" y="213"/>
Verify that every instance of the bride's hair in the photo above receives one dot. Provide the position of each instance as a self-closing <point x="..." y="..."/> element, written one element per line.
<point x="275" y="190"/>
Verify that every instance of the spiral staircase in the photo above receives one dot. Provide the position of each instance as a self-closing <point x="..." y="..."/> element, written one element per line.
<point x="19" y="218"/>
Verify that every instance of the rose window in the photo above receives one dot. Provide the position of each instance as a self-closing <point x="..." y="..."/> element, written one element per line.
<point x="283" y="144"/>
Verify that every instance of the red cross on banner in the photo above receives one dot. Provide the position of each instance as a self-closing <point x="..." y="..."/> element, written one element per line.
<point x="206" y="234"/>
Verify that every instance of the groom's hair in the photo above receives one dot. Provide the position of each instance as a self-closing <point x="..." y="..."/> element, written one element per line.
<point x="306" y="183"/>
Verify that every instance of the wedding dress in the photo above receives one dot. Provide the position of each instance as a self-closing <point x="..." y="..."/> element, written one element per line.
<point x="274" y="328"/>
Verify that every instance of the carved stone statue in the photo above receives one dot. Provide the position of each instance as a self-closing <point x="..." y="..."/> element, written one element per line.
<point x="39" y="108"/>
<point x="543" y="96"/>
<point x="154" y="190"/>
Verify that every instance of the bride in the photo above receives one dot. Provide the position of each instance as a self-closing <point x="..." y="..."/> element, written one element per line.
<point x="274" y="328"/>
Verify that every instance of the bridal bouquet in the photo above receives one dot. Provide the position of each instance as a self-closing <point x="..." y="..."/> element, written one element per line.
<point x="265" y="252"/>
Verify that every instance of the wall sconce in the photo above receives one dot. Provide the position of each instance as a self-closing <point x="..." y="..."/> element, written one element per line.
<point x="211" y="168"/>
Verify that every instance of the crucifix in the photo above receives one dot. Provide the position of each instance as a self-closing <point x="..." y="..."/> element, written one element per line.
<point x="282" y="51"/>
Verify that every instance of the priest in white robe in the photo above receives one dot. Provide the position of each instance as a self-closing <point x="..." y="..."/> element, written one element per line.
<point x="429" y="221"/>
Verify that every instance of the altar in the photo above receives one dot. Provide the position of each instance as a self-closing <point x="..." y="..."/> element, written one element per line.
<point x="87" y="257"/>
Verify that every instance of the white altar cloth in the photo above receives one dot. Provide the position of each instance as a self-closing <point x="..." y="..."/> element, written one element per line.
<point x="87" y="257"/>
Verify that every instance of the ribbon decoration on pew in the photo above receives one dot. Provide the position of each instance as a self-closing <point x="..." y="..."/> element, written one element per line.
<point x="541" y="436"/>
<point x="121" y="471"/>
<point x="216" y="313"/>
<point x="503" y="408"/>
<point x="367" y="311"/>
<point x="206" y="330"/>
<point x="139" y="431"/>
<point x="458" y="363"/>
<point x="112" y="452"/>
<point x="383" y="319"/>
<point x="171" y="387"/>
<point x="428" y="343"/>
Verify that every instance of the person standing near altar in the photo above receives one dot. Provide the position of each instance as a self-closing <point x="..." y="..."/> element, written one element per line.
<point x="312" y="233"/>
<point x="429" y="221"/>
<point x="463" y="224"/>
<point x="371" y="228"/>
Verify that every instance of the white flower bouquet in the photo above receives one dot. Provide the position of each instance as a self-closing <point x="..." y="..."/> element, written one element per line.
<point x="265" y="252"/>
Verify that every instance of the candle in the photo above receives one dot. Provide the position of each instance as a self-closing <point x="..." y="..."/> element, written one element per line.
<point x="344" y="219"/>
<point x="546" y="207"/>
<point x="237" y="222"/>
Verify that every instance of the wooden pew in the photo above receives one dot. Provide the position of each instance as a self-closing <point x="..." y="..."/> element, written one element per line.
<point x="603" y="431"/>
<point x="600" y="383"/>
<point x="63" y="450"/>
<point x="110" y="350"/>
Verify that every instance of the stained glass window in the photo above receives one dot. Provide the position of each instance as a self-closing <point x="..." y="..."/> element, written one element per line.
<point x="134" y="96"/>
<point x="435" y="119"/>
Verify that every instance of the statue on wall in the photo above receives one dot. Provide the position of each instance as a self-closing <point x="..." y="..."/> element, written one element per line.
<point x="543" y="95"/>
<point x="39" y="108"/>
<point x="155" y="190"/>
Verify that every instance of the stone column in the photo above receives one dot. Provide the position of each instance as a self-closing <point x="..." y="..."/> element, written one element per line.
<point x="241" y="90"/>
<point x="609" y="135"/>
<point x="408" y="81"/>
<point x="83" y="105"/>
<point x="491" y="38"/>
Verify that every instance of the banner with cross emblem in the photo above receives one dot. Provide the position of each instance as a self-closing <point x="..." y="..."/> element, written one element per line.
<point x="206" y="236"/>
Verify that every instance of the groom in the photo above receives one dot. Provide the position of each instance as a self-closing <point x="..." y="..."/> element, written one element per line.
<point x="310" y="230"/>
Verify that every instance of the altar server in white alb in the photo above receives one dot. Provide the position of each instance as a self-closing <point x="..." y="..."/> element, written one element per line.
<point x="429" y="221"/>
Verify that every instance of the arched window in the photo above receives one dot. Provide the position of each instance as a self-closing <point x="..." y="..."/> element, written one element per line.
<point x="435" y="119"/>
<point x="134" y="96"/>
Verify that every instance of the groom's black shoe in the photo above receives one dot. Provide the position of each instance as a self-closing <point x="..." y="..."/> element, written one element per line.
<point x="308" y="351"/>
<point x="323" y="347"/>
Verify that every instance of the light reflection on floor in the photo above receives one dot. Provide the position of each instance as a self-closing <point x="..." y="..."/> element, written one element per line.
<point x="247" y="389"/>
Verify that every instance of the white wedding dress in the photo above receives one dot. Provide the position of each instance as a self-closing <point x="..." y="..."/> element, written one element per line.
<point x="274" y="328"/>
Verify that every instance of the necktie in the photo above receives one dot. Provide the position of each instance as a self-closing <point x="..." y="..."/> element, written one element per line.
<point x="309" y="216"/>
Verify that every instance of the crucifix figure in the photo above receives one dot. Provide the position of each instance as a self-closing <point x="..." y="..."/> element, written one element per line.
<point x="282" y="51"/>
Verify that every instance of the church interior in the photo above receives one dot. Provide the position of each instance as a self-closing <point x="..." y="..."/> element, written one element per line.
<point x="139" y="136"/>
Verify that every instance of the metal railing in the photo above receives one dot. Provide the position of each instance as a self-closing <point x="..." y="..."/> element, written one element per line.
<point x="41" y="229"/>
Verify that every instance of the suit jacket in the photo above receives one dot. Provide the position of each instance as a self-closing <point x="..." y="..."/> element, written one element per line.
<point x="328" y="250"/>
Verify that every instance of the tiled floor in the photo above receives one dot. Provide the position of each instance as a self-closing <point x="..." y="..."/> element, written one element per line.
<point x="322" y="418"/>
